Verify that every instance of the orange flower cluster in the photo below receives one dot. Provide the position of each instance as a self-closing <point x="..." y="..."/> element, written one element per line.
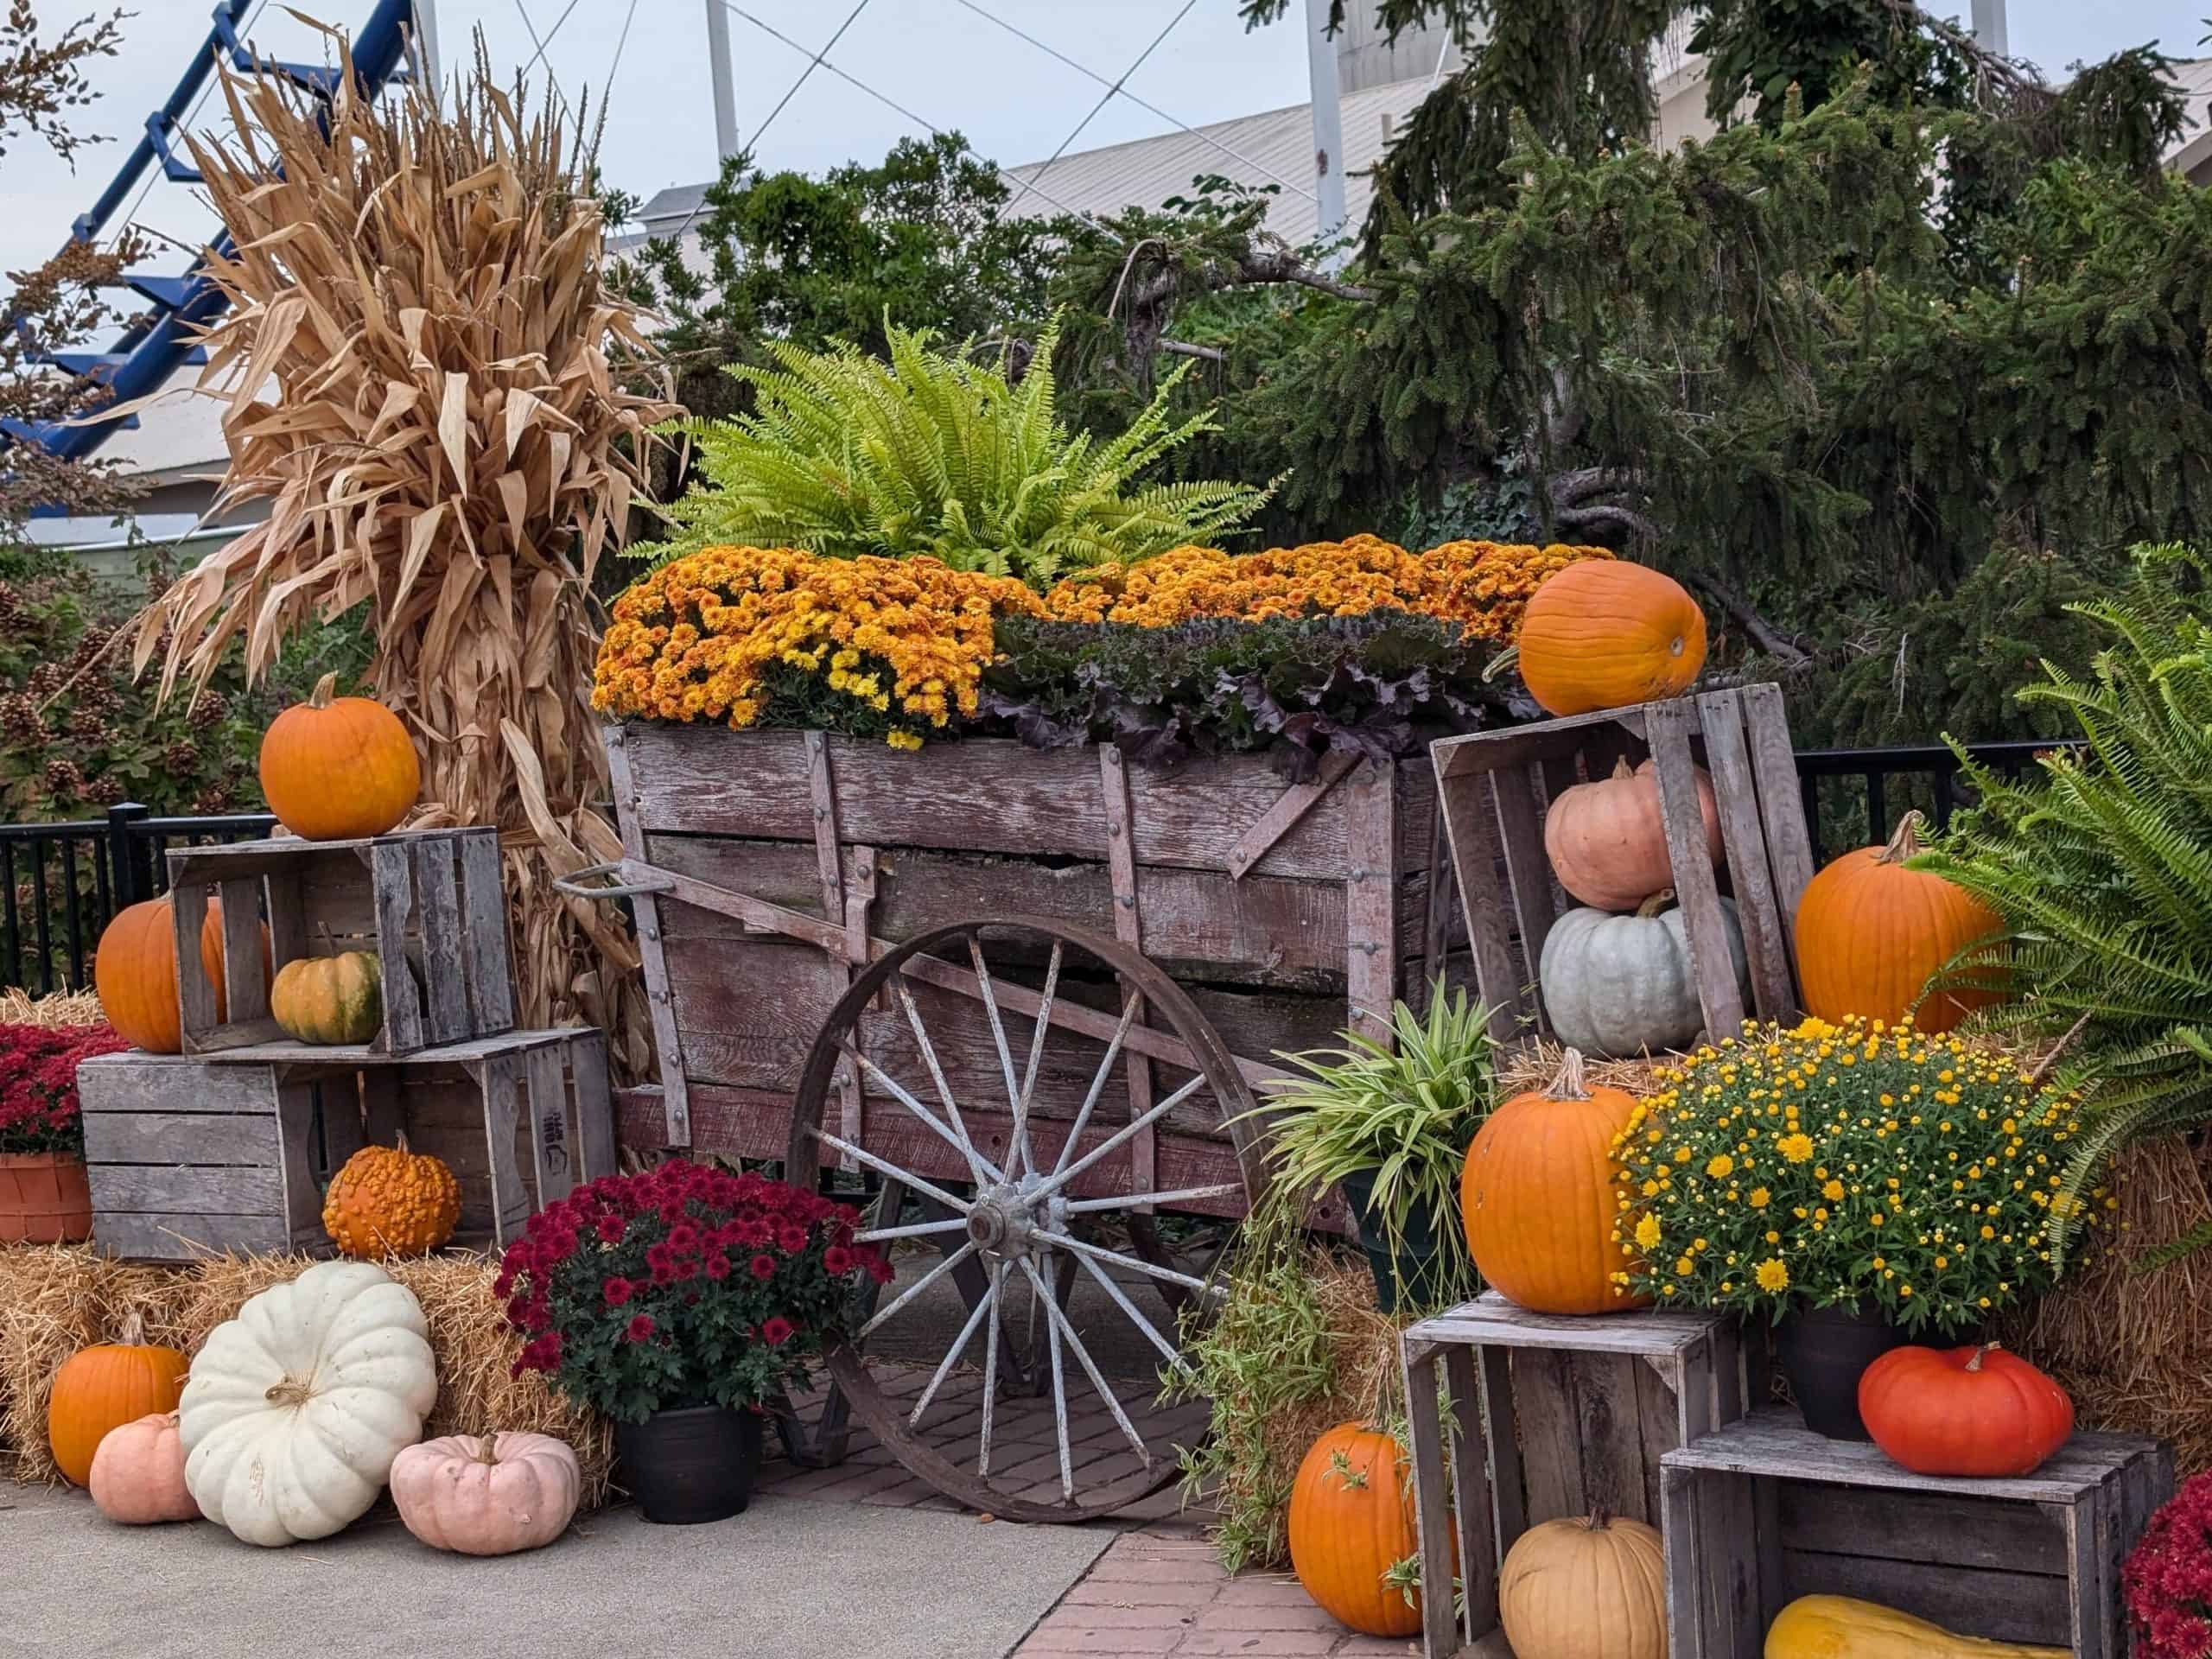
<point x="905" y="640"/>
<point x="1483" y="586"/>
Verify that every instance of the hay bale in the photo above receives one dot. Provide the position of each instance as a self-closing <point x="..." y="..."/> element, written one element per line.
<point x="2134" y="1347"/>
<point x="19" y="1008"/>
<point x="1532" y="1065"/>
<point x="55" y="1299"/>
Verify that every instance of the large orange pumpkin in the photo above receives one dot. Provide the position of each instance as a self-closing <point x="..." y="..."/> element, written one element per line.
<point x="1608" y="843"/>
<point x="335" y="768"/>
<point x="1605" y="634"/>
<point x="134" y="970"/>
<point x="1870" y="932"/>
<point x="1539" y="1197"/>
<point x="1975" y="1411"/>
<point x="211" y="955"/>
<point x="1351" y="1521"/>
<point x="104" y="1387"/>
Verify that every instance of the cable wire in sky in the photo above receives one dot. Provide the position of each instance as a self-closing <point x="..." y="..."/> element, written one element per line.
<point x="1030" y="183"/>
<point x="813" y="63"/>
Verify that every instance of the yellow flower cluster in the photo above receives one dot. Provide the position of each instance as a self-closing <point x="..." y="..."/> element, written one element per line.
<point x="1848" y="1163"/>
<point x="898" y="644"/>
<point x="1482" y="586"/>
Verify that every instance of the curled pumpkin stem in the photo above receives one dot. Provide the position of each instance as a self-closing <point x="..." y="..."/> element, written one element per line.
<point x="1983" y="1352"/>
<point x="1905" y="843"/>
<point x="1569" y="1084"/>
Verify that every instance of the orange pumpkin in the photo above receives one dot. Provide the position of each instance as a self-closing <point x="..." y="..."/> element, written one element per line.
<point x="134" y="970"/>
<point x="1539" y="1197"/>
<point x="1975" y="1411"/>
<point x="1605" y="634"/>
<point x="104" y="1387"/>
<point x="1870" y="932"/>
<point x="1351" y="1521"/>
<point x="211" y="955"/>
<point x="1607" y="841"/>
<point x="388" y="1201"/>
<point x="336" y="768"/>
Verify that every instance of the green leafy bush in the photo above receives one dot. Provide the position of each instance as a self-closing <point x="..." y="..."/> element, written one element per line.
<point x="936" y="453"/>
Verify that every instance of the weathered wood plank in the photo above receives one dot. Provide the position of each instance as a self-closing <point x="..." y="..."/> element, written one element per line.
<point x="500" y="1079"/>
<point x="1782" y="806"/>
<point x="179" y="1136"/>
<point x="1370" y="904"/>
<point x="245" y="986"/>
<point x="829" y="873"/>
<point x="135" y="1082"/>
<point x="1934" y="1527"/>
<point x="484" y="946"/>
<point x="244" y="858"/>
<point x="445" y="969"/>
<point x="391" y="867"/>
<point x="186" y="1189"/>
<point x="546" y="1095"/>
<point x="595" y="1105"/>
<point x="1726" y="1586"/>
<point x="1658" y="1417"/>
<point x="176" y="1236"/>
<point x="674" y="1086"/>
<point x="1128" y="929"/>
<point x="1528" y="870"/>
<point x="303" y="1201"/>
<point x="1475" y="1517"/>
<point x="1546" y="1411"/>
<point x="288" y="927"/>
<point x="1688" y="1633"/>
<point x="1609" y="1420"/>
<point x="1669" y="726"/>
<point x="1431" y="1502"/>
<point x="1470" y="826"/>
<point x="1507" y="1499"/>
<point x="2000" y="1606"/>
<point x="196" y="995"/>
<point x="1743" y="833"/>
<point x="1490" y="1320"/>
<point x="1292" y="804"/>
<point x="1474" y="752"/>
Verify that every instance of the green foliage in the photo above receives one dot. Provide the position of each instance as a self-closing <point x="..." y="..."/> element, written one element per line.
<point x="1768" y="54"/>
<point x="933" y="453"/>
<point x="1379" y="685"/>
<point x="1405" y="1114"/>
<point x="2102" y="868"/>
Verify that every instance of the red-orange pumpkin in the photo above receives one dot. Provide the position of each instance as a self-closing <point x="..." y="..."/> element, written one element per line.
<point x="1871" y="933"/>
<point x="1605" y="634"/>
<point x="1608" y="843"/>
<point x="1974" y="1411"/>
<point x="1351" y="1521"/>
<point x="134" y="970"/>
<point x="104" y="1387"/>
<point x="1539" y="1197"/>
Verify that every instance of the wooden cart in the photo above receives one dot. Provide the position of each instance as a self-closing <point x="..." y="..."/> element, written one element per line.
<point x="1029" y="991"/>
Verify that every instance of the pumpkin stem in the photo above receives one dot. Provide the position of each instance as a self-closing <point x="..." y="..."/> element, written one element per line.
<point x="134" y="1328"/>
<point x="1983" y="1352"/>
<point x="1905" y="843"/>
<point x="326" y="691"/>
<point x="1621" y="767"/>
<point x="1499" y="664"/>
<point x="489" y="1452"/>
<point x="1600" y="1519"/>
<point x="1568" y="1084"/>
<point x="290" y="1392"/>
<point x="1660" y="900"/>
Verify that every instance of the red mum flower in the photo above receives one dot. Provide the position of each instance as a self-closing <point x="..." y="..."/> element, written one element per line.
<point x="777" y="1332"/>
<point x="837" y="1261"/>
<point x="764" y="1266"/>
<point x="683" y="1236"/>
<point x="640" y="1327"/>
<point x="793" y="1239"/>
<point x="880" y="1271"/>
<point x="610" y="1229"/>
<point x="617" y="1290"/>
<point x="717" y="1266"/>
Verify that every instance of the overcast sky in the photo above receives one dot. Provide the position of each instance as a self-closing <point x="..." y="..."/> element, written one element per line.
<point x="939" y="59"/>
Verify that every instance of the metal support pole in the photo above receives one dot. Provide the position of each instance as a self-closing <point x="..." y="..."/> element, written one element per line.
<point x="129" y="871"/>
<point x="426" y="48"/>
<point x="727" y="143"/>
<point x="1328" y="121"/>
<point x="1990" y="27"/>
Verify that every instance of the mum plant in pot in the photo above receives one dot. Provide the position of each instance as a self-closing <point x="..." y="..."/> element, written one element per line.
<point x="1862" y="1184"/>
<point x="678" y="1302"/>
<point x="1392" y="1126"/>
<point x="44" y="1197"/>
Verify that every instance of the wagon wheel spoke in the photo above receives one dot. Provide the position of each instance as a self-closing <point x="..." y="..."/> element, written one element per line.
<point x="1069" y="1339"/>
<point x="1181" y="1195"/>
<point x="1120" y="1298"/>
<point x="912" y="1230"/>
<point x="1100" y="1253"/>
<point x="954" y="1135"/>
<point x="991" y="1368"/>
<point x="987" y="1307"/>
<point x="1015" y="1153"/>
<point x="891" y="1170"/>
<point x="920" y="1285"/>
<point x="1127" y="1132"/>
<point x="937" y="1073"/>
<point x="1059" y="1378"/>
<point x="1097" y="1085"/>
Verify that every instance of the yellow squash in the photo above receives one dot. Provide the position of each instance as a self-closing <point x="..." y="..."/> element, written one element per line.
<point x="329" y="999"/>
<point x="1837" y="1627"/>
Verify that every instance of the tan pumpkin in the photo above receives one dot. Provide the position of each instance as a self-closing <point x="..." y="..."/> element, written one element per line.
<point x="388" y="1201"/>
<point x="327" y="1000"/>
<point x="335" y="768"/>
<point x="487" y="1494"/>
<point x="1352" y="1521"/>
<point x="1607" y="841"/>
<point x="134" y="970"/>
<point x="1539" y="1197"/>
<point x="138" y="1476"/>
<point x="211" y="954"/>
<point x="105" y="1386"/>
<point x="1871" y="933"/>
<point x="1577" y="1589"/>
<point x="1605" y="634"/>
<point x="1839" y="1627"/>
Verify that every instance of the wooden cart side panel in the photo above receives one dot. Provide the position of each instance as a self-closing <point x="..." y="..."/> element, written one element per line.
<point x="628" y="808"/>
<point x="1371" y="944"/>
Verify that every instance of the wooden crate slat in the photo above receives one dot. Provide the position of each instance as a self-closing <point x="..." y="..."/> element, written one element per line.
<point x="1999" y="1605"/>
<point x="226" y="1189"/>
<point x="1743" y="833"/>
<point x="1515" y="745"/>
<point x="246" y="992"/>
<point x="1528" y="872"/>
<point x="1426" y="1444"/>
<point x="546" y="1097"/>
<point x="445" y="971"/>
<point x="500" y="1079"/>
<point x="1944" y="1529"/>
<point x="1782" y="802"/>
<point x="594" y="1106"/>
<point x="171" y="1237"/>
<point x="1492" y="1321"/>
<point x="1476" y="1519"/>
<point x="485" y="950"/>
<point x="391" y="866"/>
<point x="1668" y="726"/>
<point x="135" y="1082"/>
<point x="154" y="1137"/>
<point x="301" y="1199"/>
<point x="195" y="996"/>
<point x="1469" y="815"/>
<point x="1550" y="1429"/>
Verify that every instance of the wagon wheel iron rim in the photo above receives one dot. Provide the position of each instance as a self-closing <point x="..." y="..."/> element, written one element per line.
<point x="1020" y="1227"/>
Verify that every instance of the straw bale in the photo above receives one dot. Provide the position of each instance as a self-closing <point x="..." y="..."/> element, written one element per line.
<point x="19" y="1008"/>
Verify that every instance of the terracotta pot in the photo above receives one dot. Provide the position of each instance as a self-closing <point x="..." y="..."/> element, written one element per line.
<point x="44" y="1199"/>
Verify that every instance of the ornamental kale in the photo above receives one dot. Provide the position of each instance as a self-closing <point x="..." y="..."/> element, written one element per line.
<point x="684" y="1286"/>
<point x="38" y="1084"/>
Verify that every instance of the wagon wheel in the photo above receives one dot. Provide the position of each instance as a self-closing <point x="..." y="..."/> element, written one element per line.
<point x="1001" y="1192"/>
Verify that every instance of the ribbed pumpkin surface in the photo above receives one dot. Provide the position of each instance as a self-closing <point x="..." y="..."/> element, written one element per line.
<point x="389" y="1201"/>
<point x="1538" y="1198"/>
<point x="104" y="1387"/>
<point x="1351" y="1520"/>
<point x="334" y="768"/>
<point x="1870" y="932"/>
<point x="135" y="972"/>
<point x="1593" y="1589"/>
<point x="329" y="999"/>
<point x="1605" y="634"/>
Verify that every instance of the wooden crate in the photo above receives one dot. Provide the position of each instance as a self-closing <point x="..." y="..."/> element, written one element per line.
<point x="187" y="1157"/>
<point x="1764" y="1510"/>
<point x="430" y="903"/>
<point x="1497" y="786"/>
<point x="1286" y="911"/>
<point x="1576" y="1414"/>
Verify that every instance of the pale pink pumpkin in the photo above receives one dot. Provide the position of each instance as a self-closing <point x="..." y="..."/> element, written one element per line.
<point x="138" y="1476"/>
<point x="486" y="1495"/>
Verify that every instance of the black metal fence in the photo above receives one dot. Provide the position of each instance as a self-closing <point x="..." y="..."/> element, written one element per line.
<point x="1854" y="798"/>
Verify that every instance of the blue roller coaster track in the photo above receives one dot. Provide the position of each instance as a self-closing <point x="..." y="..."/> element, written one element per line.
<point x="159" y="340"/>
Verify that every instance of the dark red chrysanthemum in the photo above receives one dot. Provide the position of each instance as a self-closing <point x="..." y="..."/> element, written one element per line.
<point x="640" y="1327"/>
<point x="609" y="1227"/>
<point x="837" y="1261"/>
<point x="793" y="1239"/>
<point x="717" y="1267"/>
<point x="764" y="1266"/>
<point x="617" y="1290"/>
<point x="776" y="1331"/>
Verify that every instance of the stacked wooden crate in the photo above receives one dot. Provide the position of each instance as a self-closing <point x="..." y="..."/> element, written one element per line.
<point x="227" y="1145"/>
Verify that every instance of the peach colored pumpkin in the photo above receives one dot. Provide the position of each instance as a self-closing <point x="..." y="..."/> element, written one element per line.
<point x="138" y="1473"/>
<point x="1607" y="842"/>
<point x="486" y="1495"/>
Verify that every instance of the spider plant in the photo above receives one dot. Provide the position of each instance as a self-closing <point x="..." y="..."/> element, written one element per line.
<point x="1391" y="1124"/>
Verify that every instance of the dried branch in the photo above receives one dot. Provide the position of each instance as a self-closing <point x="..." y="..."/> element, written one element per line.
<point x="1769" y="639"/>
<point x="1184" y="348"/>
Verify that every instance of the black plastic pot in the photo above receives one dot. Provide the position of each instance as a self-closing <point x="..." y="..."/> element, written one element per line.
<point x="1824" y="1351"/>
<point x="685" y="1468"/>
<point x="1420" y="1267"/>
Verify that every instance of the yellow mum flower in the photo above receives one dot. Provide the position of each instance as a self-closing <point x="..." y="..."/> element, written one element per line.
<point x="1797" y="1149"/>
<point x="1833" y="1191"/>
<point x="1719" y="1166"/>
<point x="1772" y="1276"/>
<point x="1647" y="1233"/>
<point x="1760" y="1197"/>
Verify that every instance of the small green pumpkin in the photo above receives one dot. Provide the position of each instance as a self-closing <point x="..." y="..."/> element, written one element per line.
<point x="329" y="999"/>
<point x="1617" y="986"/>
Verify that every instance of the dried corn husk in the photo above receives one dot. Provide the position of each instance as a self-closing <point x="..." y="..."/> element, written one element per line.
<point x="456" y="439"/>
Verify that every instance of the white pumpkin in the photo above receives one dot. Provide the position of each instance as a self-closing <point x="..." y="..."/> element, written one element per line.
<point x="1620" y="985"/>
<point x="296" y="1408"/>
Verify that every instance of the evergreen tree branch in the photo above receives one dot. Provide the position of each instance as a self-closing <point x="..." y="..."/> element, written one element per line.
<point x="1769" y="639"/>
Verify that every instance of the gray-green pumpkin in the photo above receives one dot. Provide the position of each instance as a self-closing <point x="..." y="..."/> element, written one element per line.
<point x="1622" y="985"/>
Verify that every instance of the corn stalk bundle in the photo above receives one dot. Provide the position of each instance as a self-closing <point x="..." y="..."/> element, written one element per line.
<point x="455" y="438"/>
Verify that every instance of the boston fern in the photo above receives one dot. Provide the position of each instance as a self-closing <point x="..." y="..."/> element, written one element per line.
<point x="937" y="453"/>
<point x="2102" y="868"/>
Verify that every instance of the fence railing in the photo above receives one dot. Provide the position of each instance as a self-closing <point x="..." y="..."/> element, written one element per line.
<point x="59" y="883"/>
